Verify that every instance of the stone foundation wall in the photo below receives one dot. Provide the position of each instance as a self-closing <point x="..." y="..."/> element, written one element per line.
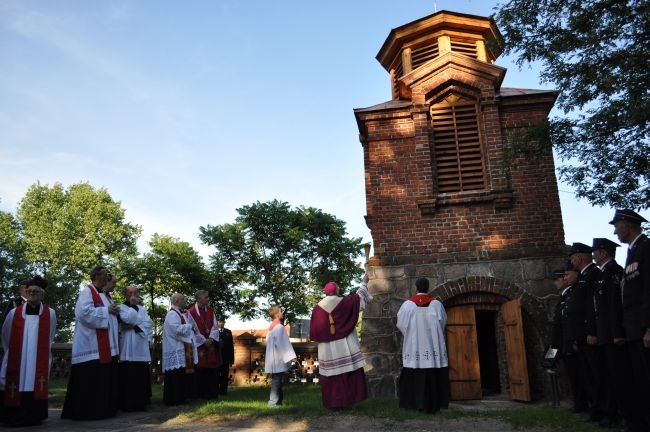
<point x="489" y="283"/>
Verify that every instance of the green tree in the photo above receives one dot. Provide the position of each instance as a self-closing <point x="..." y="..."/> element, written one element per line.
<point x="595" y="52"/>
<point x="281" y="255"/>
<point x="13" y="265"/>
<point x="170" y="266"/>
<point x="66" y="232"/>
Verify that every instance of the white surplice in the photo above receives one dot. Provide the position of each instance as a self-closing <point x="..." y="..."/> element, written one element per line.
<point x="135" y="346"/>
<point x="279" y="351"/>
<point x="29" y="349"/>
<point x="88" y="319"/>
<point x="175" y="334"/>
<point x="114" y="323"/>
<point x="424" y="335"/>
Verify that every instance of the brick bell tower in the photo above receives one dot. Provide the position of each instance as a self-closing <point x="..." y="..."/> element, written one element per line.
<point x="441" y="204"/>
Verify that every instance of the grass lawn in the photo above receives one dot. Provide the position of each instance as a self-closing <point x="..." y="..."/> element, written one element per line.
<point x="304" y="401"/>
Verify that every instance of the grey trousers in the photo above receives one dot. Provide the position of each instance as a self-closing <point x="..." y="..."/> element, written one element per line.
<point x="276" y="389"/>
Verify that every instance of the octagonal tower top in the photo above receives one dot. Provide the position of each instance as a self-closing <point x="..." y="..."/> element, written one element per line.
<point x="411" y="45"/>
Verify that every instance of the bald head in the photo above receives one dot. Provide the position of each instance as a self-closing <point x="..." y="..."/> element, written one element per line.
<point x="177" y="299"/>
<point x="130" y="291"/>
<point x="131" y="294"/>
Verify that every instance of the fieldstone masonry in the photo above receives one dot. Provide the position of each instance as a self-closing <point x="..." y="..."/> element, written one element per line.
<point x="486" y="284"/>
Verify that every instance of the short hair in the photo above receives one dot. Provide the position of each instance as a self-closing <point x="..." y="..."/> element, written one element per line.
<point x="96" y="271"/>
<point x="128" y="287"/>
<point x="200" y="293"/>
<point x="274" y="310"/>
<point x="175" y="297"/>
<point x="422" y="285"/>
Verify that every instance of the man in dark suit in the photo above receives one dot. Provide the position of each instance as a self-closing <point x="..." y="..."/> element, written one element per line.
<point x="572" y="333"/>
<point x="561" y="285"/>
<point x="636" y="306"/>
<point x="588" y="352"/>
<point x="227" y="355"/>
<point x="609" y="330"/>
<point x="17" y="301"/>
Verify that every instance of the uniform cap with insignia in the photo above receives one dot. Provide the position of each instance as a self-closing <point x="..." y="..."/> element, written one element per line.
<point x="579" y="248"/>
<point x="605" y="244"/>
<point x="627" y="215"/>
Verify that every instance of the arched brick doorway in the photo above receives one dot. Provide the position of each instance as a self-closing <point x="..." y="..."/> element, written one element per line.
<point x="486" y="357"/>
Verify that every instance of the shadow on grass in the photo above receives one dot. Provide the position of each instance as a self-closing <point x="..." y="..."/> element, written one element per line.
<point x="303" y="410"/>
<point x="304" y="402"/>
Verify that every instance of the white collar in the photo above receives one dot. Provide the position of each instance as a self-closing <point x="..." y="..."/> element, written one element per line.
<point x="604" y="264"/>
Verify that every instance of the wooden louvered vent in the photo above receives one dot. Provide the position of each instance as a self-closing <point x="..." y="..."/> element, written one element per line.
<point x="398" y="72"/>
<point x="457" y="145"/>
<point x="465" y="47"/>
<point x="420" y="56"/>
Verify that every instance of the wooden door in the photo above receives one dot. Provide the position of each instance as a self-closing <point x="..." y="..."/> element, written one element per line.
<point x="462" y="349"/>
<point x="515" y="350"/>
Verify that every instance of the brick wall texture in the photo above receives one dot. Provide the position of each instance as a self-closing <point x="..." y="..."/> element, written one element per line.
<point x="482" y="247"/>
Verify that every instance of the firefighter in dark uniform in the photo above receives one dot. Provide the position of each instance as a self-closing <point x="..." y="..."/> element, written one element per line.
<point x="573" y="331"/>
<point x="609" y="329"/>
<point x="15" y="302"/>
<point x="635" y="293"/>
<point x="561" y="285"/>
<point x="226" y="344"/>
<point x="556" y="335"/>
<point x="588" y="352"/>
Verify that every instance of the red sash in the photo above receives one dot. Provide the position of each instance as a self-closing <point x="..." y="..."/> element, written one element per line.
<point x="42" y="372"/>
<point x="209" y="357"/>
<point x="187" y="348"/>
<point x="103" y="344"/>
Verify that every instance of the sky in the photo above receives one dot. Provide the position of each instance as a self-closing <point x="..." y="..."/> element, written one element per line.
<point x="186" y="111"/>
